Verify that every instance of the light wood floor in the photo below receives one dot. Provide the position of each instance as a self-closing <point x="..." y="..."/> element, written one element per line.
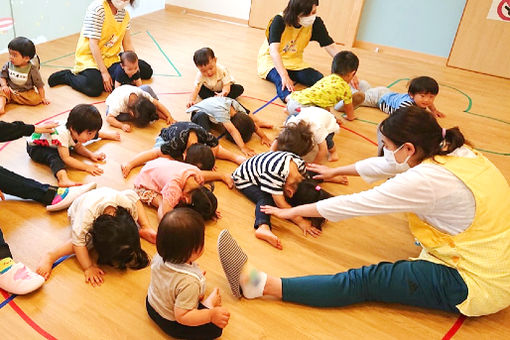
<point x="68" y="308"/>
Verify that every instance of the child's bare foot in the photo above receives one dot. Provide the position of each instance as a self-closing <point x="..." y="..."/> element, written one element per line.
<point x="264" y="233"/>
<point x="213" y="300"/>
<point x="125" y="170"/>
<point x="332" y="156"/>
<point x="44" y="267"/>
<point x="67" y="183"/>
<point x="148" y="235"/>
<point x="264" y="124"/>
<point x="339" y="179"/>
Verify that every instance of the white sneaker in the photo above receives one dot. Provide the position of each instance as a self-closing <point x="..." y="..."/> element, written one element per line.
<point x="20" y="280"/>
<point x="69" y="195"/>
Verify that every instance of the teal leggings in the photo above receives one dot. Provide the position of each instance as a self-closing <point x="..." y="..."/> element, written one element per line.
<point x="415" y="283"/>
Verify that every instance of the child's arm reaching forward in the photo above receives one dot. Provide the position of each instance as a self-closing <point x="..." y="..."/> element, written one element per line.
<point x="258" y="124"/>
<point x="163" y="112"/>
<point x="303" y="224"/>
<point x="93" y="156"/>
<point x="43" y="95"/>
<point x="210" y="176"/>
<point x="93" y="274"/>
<point x="72" y="162"/>
<point x="119" y="125"/>
<point x="193" y="96"/>
<point x="236" y="136"/>
<point x="435" y="111"/>
<point x="141" y="158"/>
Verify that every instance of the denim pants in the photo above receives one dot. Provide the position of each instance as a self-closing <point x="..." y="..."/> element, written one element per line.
<point x="307" y="77"/>
<point x="415" y="283"/>
<point x="260" y="198"/>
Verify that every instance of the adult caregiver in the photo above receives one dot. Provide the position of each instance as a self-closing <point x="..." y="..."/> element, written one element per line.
<point x="280" y="58"/>
<point x="105" y="29"/>
<point x="459" y="210"/>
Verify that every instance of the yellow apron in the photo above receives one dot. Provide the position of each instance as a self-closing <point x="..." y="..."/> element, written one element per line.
<point x="292" y="44"/>
<point x="481" y="253"/>
<point x="112" y="34"/>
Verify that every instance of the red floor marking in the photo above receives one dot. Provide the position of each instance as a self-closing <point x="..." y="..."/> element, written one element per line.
<point x="455" y="327"/>
<point x="26" y="318"/>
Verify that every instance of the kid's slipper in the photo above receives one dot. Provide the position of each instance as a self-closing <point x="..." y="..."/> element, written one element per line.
<point x="65" y="196"/>
<point x="232" y="259"/>
<point x="19" y="280"/>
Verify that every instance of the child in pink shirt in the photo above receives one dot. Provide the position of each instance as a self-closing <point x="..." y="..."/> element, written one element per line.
<point x="166" y="183"/>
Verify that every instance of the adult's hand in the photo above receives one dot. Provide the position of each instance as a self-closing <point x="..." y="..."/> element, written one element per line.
<point x="107" y="81"/>
<point x="287" y="83"/>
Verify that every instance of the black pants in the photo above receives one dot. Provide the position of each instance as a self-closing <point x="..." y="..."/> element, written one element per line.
<point x="235" y="91"/>
<point x="90" y="82"/>
<point x="4" y="247"/>
<point x="177" y="330"/>
<point x="46" y="155"/>
<point x="201" y="118"/>
<point x="27" y="188"/>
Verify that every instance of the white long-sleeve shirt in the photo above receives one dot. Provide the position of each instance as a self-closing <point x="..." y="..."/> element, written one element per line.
<point x="429" y="190"/>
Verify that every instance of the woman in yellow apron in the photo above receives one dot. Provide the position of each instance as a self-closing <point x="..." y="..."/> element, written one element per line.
<point x="105" y="31"/>
<point x="280" y="58"/>
<point x="458" y="205"/>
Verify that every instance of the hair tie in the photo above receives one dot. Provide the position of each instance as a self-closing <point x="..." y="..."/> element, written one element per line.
<point x="318" y="188"/>
<point x="443" y="132"/>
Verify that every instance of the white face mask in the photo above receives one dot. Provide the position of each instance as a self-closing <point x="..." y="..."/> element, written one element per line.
<point x="389" y="156"/>
<point x="120" y="4"/>
<point x="307" y="21"/>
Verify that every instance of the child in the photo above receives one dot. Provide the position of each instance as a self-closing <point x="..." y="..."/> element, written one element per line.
<point x="165" y="183"/>
<point x="227" y="111"/>
<point x="309" y="191"/>
<point x="175" y="141"/>
<point x="130" y="103"/>
<point x="266" y="179"/>
<point x="331" y="89"/>
<point x="127" y="71"/>
<point x="105" y="219"/>
<point x="314" y="122"/>
<point x="19" y="76"/>
<point x="175" y="299"/>
<point x="83" y="125"/>
<point x="212" y="79"/>
<point x="422" y="92"/>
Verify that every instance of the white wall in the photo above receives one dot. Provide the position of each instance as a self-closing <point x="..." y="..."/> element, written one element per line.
<point x="146" y="6"/>
<point x="230" y="8"/>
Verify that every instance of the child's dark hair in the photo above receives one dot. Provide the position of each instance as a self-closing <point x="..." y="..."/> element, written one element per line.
<point x="202" y="56"/>
<point x="296" y="138"/>
<point x="201" y="156"/>
<point x="117" y="242"/>
<point x="418" y="126"/>
<point x="244" y="124"/>
<point x="144" y="112"/>
<point x="84" y="117"/>
<point x="423" y="84"/>
<point x="295" y="8"/>
<point x="180" y="233"/>
<point x="309" y="191"/>
<point x="129" y="56"/>
<point x="203" y="202"/>
<point x="344" y="62"/>
<point x="23" y="45"/>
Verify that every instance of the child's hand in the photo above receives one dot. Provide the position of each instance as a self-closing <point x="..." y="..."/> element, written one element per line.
<point x="115" y="136"/>
<point x="94" y="169"/>
<point x="170" y="120"/>
<point x="265" y="141"/>
<point x="220" y="316"/>
<point x="94" y="276"/>
<point x="227" y="179"/>
<point x="438" y="114"/>
<point x="190" y="104"/>
<point x="307" y="228"/>
<point x="6" y="89"/>
<point x="98" y="157"/>
<point x="222" y="93"/>
<point x="45" y="101"/>
<point x="199" y="178"/>
<point x="248" y="151"/>
<point x="126" y="127"/>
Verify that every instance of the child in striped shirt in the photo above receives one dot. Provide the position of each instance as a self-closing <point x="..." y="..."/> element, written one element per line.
<point x="266" y="179"/>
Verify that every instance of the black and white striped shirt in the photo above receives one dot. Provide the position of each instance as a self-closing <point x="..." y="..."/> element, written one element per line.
<point x="94" y="18"/>
<point x="268" y="170"/>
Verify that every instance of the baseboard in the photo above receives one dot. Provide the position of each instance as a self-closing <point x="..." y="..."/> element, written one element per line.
<point x="209" y="15"/>
<point x="433" y="59"/>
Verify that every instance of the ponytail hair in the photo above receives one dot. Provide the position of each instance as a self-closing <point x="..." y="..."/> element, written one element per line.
<point x="309" y="191"/>
<point x="418" y="126"/>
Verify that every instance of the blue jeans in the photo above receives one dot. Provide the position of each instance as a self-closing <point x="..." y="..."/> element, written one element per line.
<point x="415" y="283"/>
<point x="307" y="77"/>
<point x="260" y="198"/>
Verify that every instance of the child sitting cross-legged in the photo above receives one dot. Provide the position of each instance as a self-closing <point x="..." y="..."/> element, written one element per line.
<point x="238" y="124"/>
<point x="53" y="149"/>
<point x="177" y="141"/>
<point x="175" y="299"/>
<point x="104" y="218"/>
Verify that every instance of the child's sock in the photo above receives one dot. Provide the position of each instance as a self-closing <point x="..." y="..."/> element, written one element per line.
<point x="5" y="264"/>
<point x="252" y="282"/>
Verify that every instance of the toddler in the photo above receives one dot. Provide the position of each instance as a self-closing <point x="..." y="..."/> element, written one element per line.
<point x="309" y="191"/>
<point x="175" y="299"/>
<point x="53" y="149"/>
<point x="267" y="179"/>
<point x="311" y="125"/>
<point x="184" y="141"/>
<point x="239" y="124"/>
<point x="20" y="75"/>
<point x="331" y="89"/>
<point x="212" y="79"/>
<point x="166" y="183"/>
<point x="127" y="71"/>
<point x="130" y="103"/>
<point x="104" y="218"/>
<point x="422" y="92"/>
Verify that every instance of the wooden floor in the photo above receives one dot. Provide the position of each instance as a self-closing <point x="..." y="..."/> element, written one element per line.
<point x="68" y="308"/>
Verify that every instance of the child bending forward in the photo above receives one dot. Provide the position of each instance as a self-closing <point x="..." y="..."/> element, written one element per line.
<point x="175" y="299"/>
<point x="104" y="219"/>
